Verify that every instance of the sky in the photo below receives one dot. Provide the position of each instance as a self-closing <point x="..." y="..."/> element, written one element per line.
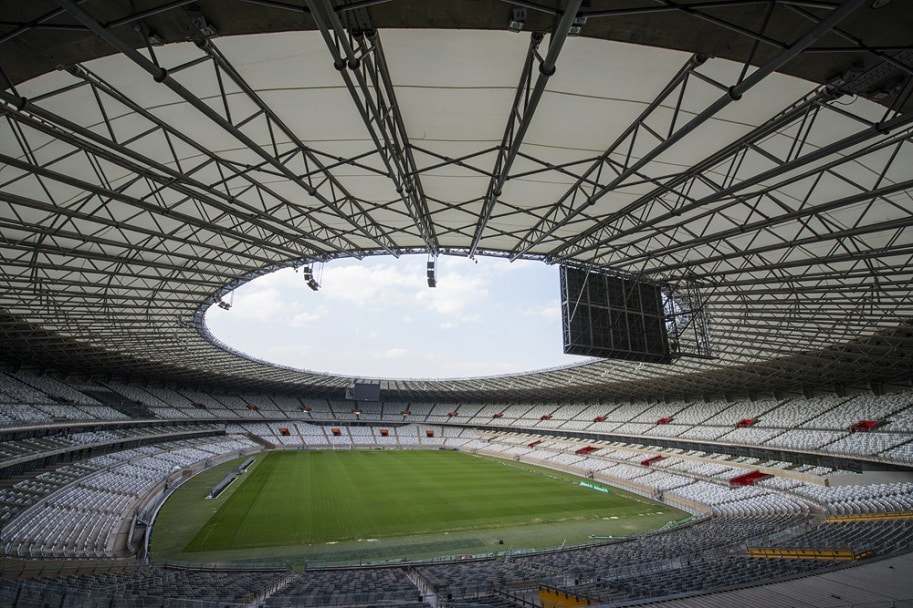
<point x="377" y="318"/>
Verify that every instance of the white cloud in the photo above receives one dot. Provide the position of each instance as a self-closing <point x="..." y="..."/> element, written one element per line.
<point x="374" y="286"/>
<point x="257" y="304"/>
<point x="307" y="318"/>
<point x="551" y="310"/>
<point x="446" y="365"/>
<point x="457" y="296"/>
<point x="403" y="285"/>
<point x="291" y="350"/>
<point x="395" y="353"/>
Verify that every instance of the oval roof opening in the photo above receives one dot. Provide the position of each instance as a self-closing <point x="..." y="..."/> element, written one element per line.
<point x="378" y="318"/>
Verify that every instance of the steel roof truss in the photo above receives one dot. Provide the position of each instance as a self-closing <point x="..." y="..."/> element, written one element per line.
<point x="578" y="197"/>
<point x="140" y="204"/>
<point x="804" y="211"/>
<point x="373" y="93"/>
<point x="561" y="213"/>
<point x="526" y="100"/>
<point x="128" y="159"/>
<point x="677" y="196"/>
<point x="328" y="189"/>
<point x="343" y="205"/>
<point x="721" y="191"/>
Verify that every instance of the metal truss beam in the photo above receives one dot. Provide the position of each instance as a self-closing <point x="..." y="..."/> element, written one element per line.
<point x="307" y="227"/>
<point x="695" y="7"/>
<point x="574" y="202"/>
<point x="526" y="100"/>
<point x="806" y="311"/>
<point x="682" y="184"/>
<point x="166" y="177"/>
<point x="781" y="266"/>
<point x="899" y="227"/>
<point x="771" y="222"/>
<point x="373" y="93"/>
<point x="122" y="299"/>
<point x="151" y="207"/>
<point x="891" y="278"/>
<point x="221" y="256"/>
<point x="458" y="162"/>
<point x="328" y="191"/>
<point x="49" y="268"/>
<point x="123" y="304"/>
<point x="587" y="184"/>
<point x="728" y="162"/>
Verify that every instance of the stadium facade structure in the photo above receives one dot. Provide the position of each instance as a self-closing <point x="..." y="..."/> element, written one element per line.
<point x="156" y="155"/>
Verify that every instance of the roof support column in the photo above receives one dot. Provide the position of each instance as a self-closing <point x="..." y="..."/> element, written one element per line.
<point x="565" y="209"/>
<point x="374" y="97"/>
<point x="521" y="115"/>
<point x="345" y="207"/>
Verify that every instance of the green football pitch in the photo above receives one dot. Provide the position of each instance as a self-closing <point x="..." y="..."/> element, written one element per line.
<point x="374" y="505"/>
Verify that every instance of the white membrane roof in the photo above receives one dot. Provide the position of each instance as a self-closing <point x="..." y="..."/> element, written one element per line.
<point x="138" y="188"/>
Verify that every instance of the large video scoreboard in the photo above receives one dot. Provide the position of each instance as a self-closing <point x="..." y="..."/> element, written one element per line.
<point x="613" y="316"/>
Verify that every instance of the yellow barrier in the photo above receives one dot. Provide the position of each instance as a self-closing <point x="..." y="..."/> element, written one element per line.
<point x="553" y="598"/>
<point x="836" y="519"/>
<point x="819" y="554"/>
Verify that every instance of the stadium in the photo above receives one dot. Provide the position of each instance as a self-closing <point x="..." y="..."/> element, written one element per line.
<point x="725" y="186"/>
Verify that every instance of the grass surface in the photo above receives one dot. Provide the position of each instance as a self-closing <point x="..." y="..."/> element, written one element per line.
<point x="383" y="504"/>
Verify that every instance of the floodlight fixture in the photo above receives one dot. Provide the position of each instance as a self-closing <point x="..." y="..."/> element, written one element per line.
<point x="309" y="278"/>
<point x="151" y="38"/>
<point x="432" y="280"/>
<point x="517" y="19"/>
<point x="198" y="21"/>
<point x="226" y="305"/>
<point x="577" y="26"/>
